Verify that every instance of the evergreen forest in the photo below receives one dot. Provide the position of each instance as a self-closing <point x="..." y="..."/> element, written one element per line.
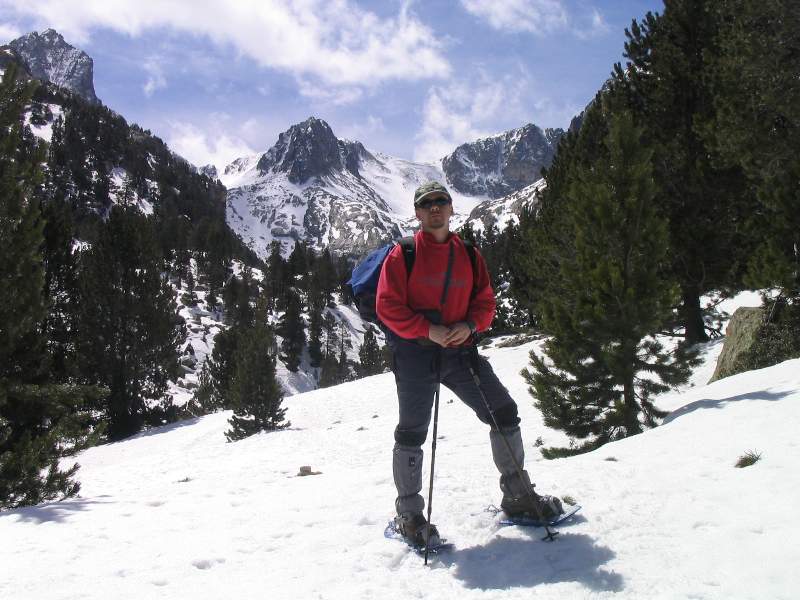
<point x="106" y="236"/>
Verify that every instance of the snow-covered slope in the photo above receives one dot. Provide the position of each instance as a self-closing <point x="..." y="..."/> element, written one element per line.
<point x="179" y="513"/>
<point x="203" y="325"/>
<point x="505" y="210"/>
<point x="331" y="193"/>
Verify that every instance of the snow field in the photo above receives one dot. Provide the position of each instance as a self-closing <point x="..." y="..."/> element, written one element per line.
<point x="179" y="513"/>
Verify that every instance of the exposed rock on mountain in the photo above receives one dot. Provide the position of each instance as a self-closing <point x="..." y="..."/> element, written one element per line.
<point x="47" y="57"/>
<point x="502" y="164"/>
<point x="334" y="193"/>
<point x="310" y="149"/>
<point x="502" y="211"/>
<point x="209" y="171"/>
<point x="328" y="192"/>
<point x="337" y="210"/>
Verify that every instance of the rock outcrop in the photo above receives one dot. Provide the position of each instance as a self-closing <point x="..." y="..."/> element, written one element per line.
<point x="47" y="57"/>
<point x="502" y="164"/>
<point x="739" y="336"/>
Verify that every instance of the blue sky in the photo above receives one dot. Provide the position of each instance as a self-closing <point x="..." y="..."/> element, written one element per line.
<point x="217" y="80"/>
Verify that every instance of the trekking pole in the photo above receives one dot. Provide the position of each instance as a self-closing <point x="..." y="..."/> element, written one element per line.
<point x="551" y="535"/>
<point x="433" y="451"/>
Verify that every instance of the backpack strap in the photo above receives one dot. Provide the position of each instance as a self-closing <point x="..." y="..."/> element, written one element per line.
<point x="409" y="252"/>
<point x="472" y="258"/>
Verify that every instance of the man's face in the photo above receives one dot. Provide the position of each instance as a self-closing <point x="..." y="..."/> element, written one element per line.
<point x="434" y="213"/>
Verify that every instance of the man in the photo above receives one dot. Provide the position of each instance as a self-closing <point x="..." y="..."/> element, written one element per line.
<point x="432" y="317"/>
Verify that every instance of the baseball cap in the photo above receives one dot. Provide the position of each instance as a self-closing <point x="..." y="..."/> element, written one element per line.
<point x="431" y="188"/>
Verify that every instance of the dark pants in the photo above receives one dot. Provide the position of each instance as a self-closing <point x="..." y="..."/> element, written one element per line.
<point x="417" y="369"/>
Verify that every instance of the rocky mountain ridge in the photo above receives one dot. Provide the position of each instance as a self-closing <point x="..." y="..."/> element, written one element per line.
<point x="502" y="164"/>
<point x="48" y="57"/>
<point x="500" y="212"/>
<point x="329" y="192"/>
<point x="310" y="149"/>
<point x="334" y="193"/>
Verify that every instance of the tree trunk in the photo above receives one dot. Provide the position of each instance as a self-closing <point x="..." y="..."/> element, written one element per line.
<point x="631" y="408"/>
<point x="692" y="315"/>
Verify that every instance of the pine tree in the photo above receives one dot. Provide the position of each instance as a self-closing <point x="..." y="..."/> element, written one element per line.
<point x="298" y="265"/>
<point x="292" y="330"/>
<point x="213" y="393"/>
<point x="40" y="419"/>
<point x="212" y="302"/>
<point x="238" y="301"/>
<point x="61" y="287"/>
<point x="757" y="84"/>
<point x="130" y="331"/>
<point x="256" y="395"/>
<point x="342" y="368"/>
<point x="606" y="366"/>
<point x="189" y="298"/>
<point x="345" y="344"/>
<point x="182" y="265"/>
<point x="370" y="354"/>
<point x="316" y="307"/>
<point x="545" y="237"/>
<point x="325" y="274"/>
<point x="329" y="324"/>
<point x="707" y="203"/>
<point x="329" y="374"/>
<point x="276" y="275"/>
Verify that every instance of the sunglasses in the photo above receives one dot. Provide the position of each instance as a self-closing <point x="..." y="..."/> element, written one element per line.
<point x="441" y="202"/>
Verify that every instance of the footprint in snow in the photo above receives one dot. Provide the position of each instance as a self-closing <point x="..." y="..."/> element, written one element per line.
<point x="206" y="564"/>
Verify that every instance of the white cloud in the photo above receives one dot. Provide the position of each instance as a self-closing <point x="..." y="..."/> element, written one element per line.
<point x="333" y="41"/>
<point x="363" y="129"/>
<point x="463" y="112"/>
<point x="155" y="77"/>
<point x="325" y="94"/>
<point x="211" y="145"/>
<point x="8" y="32"/>
<point x="596" y="25"/>
<point x="535" y="16"/>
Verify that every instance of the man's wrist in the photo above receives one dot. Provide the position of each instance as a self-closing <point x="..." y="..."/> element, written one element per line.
<point x="473" y="329"/>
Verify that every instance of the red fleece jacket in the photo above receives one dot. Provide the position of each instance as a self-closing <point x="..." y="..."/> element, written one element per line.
<point x="401" y="299"/>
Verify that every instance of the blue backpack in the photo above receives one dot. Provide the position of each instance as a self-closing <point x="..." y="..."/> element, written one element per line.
<point x="363" y="282"/>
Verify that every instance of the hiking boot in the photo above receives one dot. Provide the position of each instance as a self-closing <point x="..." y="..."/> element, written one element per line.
<point x="519" y="499"/>
<point x="549" y="507"/>
<point x="412" y="526"/>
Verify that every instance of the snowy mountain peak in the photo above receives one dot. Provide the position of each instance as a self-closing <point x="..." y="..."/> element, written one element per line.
<point x="335" y="194"/>
<point x="504" y="163"/>
<point x="48" y="57"/>
<point x="209" y="171"/>
<point x="310" y="149"/>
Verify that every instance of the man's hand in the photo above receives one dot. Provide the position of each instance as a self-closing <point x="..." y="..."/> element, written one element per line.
<point x="438" y="334"/>
<point x="458" y="334"/>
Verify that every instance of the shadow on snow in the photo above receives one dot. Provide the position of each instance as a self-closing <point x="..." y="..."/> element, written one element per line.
<point x="506" y="563"/>
<point x="703" y="404"/>
<point x="50" y="512"/>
